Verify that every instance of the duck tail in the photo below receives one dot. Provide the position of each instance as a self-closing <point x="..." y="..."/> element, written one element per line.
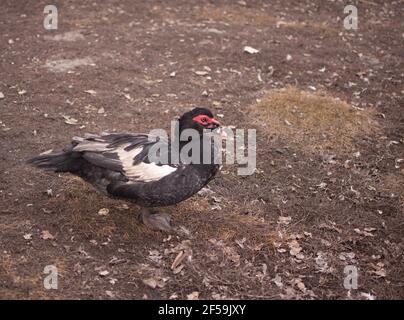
<point x="57" y="162"/>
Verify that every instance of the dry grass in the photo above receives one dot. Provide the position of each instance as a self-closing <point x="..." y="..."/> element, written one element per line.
<point x="393" y="183"/>
<point x="249" y="16"/>
<point x="15" y="285"/>
<point x="314" y="122"/>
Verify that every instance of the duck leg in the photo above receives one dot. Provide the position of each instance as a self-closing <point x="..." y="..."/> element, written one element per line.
<point x="154" y="220"/>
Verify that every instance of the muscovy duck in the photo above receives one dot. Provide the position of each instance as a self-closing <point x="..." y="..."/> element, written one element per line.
<point x="119" y="165"/>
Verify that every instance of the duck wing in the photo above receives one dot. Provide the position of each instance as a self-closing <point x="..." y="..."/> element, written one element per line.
<point x="126" y="153"/>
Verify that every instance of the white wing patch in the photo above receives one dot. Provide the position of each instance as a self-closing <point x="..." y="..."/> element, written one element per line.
<point x="142" y="171"/>
<point x="91" y="146"/>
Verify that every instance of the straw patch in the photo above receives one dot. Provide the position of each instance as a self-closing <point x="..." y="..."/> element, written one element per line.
<point x="314" y="122"/>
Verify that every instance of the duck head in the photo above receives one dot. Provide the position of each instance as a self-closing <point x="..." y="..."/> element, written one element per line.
<point x="199" y="119"/>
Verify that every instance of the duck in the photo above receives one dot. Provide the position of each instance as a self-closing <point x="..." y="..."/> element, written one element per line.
<point x="124" y="165"/>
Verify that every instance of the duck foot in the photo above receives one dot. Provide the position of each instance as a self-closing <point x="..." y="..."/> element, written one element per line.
<point x="155" y="221"/>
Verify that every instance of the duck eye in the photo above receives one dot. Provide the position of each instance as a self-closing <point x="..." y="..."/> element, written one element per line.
<point x="204" y="120"/>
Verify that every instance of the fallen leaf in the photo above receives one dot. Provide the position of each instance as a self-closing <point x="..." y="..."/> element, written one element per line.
<point x="153" y="283"/>
<point x="46" y="235"/>
<point x="368" y="296"/>
<point x="109" y="294"/>
<point x="178" y="269"/>
<point x="379" y="270"/>
<point x="103" y="273"/>
<point x="284" y="220"/>
<point x="299" y="283"/>
<point x="201" y="73"/>
<point x="69" y="120"/>
<point x="295" y="248"/>
<point x="250" y="50"/>
<point x="364" y="233"/>
<point x="278" y="281"/>
<point x="193" y="296"/>
<point x="178" y="259"/>
<point x="27" y="236"/>
<point x="92" y="92"/>
<point x="103" y="211"/>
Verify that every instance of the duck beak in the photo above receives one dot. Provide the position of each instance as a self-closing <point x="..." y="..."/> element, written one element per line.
<point x="213" y="124"/>
<point x="220" y="131"/>
<point x="223" y="133"/>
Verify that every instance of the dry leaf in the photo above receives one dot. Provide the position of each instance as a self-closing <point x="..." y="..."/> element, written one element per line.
<point x="46" y="235"/>
<point x="92" y="92"/>
<point x="178" y="269"/>
<point x="201" y="73"/>
<point x="300" y="285"/>
<point x="103" y="273"/>
<point x="27" y="236"/>
<point x="368" y="296"/>
<point x="284" y="220"/>
<point x="152" y="283"/>
<point x="278" y="281"/>
<point x="103" y="211"/>
<point x="193" y="296"/>
<point x="250" y="50"/>
<point x="109" y="294"/>
<point x="178" y="259"/>
<point x="294" y="247"/>
<point x="69" y="120"/>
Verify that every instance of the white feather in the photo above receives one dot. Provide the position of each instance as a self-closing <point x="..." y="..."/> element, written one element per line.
<point x="142" y="171"/>
<point x="91" y="146"/>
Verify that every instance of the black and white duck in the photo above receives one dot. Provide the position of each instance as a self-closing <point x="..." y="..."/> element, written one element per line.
<point x="120" y="166"/>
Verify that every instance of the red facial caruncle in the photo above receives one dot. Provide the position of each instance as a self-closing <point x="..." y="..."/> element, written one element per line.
<point x="206" y="121"/>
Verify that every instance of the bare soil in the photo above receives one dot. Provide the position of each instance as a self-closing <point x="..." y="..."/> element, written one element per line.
<point x="313" y="207"/>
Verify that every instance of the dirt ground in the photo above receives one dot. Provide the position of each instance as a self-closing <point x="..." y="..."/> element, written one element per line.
<point x="324" y="195"/>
